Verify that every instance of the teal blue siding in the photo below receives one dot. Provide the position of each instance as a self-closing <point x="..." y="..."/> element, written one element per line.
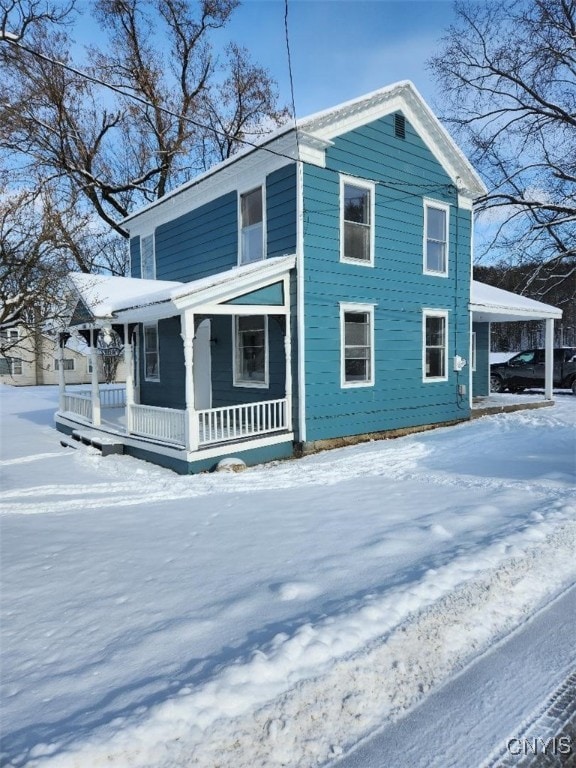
<point x="272" y="295"/>
<point x="135" y="263"/>
<point x="170" y="391"/>
<point x="405" y="172"/>
<point x="281" y="211"/>
<point x="223" y="390"/>
<point x="199" y="243"/>
<point x="481" y="376"/>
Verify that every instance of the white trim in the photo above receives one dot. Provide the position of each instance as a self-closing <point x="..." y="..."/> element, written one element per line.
<point x="360" y="308"/>
<point x="228" y="449"/>
<point x="241" y="383"/>
<point x="242" y="191"/>
<point x="300" y="307"/>
<point x="64" y="367"/>
<point x="144" y="327"/>
<point x="426" y="313"/>
<point x="441" y="206"/>
<point x="370" y="186"/>
<point x="473" y="350"/>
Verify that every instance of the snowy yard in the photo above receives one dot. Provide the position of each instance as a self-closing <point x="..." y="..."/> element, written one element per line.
<point x="272" y="617"/>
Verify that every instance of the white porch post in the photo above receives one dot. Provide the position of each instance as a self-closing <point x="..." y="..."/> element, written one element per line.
<point x="288" y="357"/>
<point x="192" y="431"/>
<point x="549" y="359"/>
<point x="129" y="365"/>
<point x="95" y="386"/>
<point x="61" y="377"/>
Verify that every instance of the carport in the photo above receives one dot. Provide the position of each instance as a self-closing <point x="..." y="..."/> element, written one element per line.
<point x="494" y="305"/>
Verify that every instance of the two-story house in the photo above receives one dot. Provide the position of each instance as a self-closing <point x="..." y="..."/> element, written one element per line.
<point x="305" y="293"/>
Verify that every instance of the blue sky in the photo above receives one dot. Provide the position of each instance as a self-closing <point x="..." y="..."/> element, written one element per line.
<point x="341" y="49"/>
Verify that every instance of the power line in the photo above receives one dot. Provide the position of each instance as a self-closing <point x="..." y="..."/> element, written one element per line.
<point x="97" y="81"/>
<point x="290" y="74"/>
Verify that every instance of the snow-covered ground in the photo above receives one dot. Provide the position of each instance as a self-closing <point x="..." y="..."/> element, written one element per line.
<point x="272" y="617"/>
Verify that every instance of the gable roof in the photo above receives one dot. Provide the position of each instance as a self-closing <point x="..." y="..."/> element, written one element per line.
<point x="131" y="299"/>
<point x="309" y="138"/>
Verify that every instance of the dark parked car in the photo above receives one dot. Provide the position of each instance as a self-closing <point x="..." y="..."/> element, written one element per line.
<point x="526" y="369"/>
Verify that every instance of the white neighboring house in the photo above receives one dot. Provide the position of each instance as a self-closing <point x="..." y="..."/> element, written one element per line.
<point x="30" y="361"/>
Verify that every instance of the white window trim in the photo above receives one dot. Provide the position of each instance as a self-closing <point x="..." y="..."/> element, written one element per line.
<point x="369" y="308"/>
<point x="435" y="313"/>
<point x="241" y="193"/>
<point x="142" y="238"/>
<point x="241" y="383"/>
<point x="371" y="187"/>
<point x="430" y="203"/>
<point x="155" y="326"/>
<point x="66" y="360"/>
<point x="473" y="350"/>
<point x="15" y="364"/>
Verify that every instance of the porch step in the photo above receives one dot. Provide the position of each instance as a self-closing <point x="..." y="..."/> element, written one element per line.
<point x="107" y="445"/>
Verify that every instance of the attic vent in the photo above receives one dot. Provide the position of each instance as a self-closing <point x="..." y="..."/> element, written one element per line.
<point x="399" y="126"/>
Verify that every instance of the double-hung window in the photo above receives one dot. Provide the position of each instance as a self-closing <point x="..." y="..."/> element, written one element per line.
<point x="435" y="345"/>
<point x="357" y="345"/>
<point x="151" y="353"/>
<point x="250" y="351"/>
<point x="356" y="221"/>
<point x="436" y="227"/>
<point x="147" y="258"/>
<point x="68" y="364"/>
<point x="252" y="226"/>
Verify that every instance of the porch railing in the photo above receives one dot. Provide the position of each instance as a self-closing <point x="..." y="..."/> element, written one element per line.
<point x="238" y="421"/>
<point x="166" y="424"/>
<point x="110" y="397"/>
<point x="79" y="403"/>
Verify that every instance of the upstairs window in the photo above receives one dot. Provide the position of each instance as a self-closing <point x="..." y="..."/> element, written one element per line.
<point x="151" y="353"/>
<point x="435" y="351"/>
<point x="436" y="238"/>
<point x="10" y="366"/>
<point x="147" y="258"/>
<point x="357" y="344"/>
<point x="251" y="351"/>
<point x="251" y="226"/>
<point x="356" y="221"/>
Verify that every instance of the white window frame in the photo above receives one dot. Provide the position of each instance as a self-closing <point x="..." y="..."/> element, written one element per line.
<point x="9" y="334"/>
<point x="248" y="383"/>
<point x="16" y="366"/>
<point x="151" y="274"/>
<point x="473" y="350"/>
<point x="362" y="308"/>
<point x="426" y="313"/>
<point x="66" y="360"/>
<point x="429" y="203"/>
<point x="149" y="351"/>
<point x="242" y="193"/>
<point x="370" y="187"/>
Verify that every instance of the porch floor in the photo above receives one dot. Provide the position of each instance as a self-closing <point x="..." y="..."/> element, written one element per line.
<point x="506" y="403"/>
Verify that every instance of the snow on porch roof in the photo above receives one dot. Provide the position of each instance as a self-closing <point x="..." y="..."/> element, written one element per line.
<point x="131" y="299"/>
<point x="491" y="305"/>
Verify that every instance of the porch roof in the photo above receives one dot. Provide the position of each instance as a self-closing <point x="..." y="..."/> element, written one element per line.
<point x="110" y="299"/>
<point x="492" y="305"/>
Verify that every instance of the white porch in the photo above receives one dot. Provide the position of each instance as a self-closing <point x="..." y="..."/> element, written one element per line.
<point x="193" y="431"/>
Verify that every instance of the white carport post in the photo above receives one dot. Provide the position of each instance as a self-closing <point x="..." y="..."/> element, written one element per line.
<point x="61" y="377"/>
<point x="95" y="385"/>
<point x="549" y="359"/>
<point x="192" y="431"/>
<point x="129" y="365"/>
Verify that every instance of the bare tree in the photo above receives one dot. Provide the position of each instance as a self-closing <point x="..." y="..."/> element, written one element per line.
<point x="174" y="108"/>
<point x="508" y="74"/>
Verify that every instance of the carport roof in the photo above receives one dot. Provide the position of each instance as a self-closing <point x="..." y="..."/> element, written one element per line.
<point x="494" y="305"/>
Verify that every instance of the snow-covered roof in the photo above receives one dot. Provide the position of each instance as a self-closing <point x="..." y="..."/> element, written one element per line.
<point x="316" y="131"/>
<point x="130" y="299"/>
<point x="491" y="304"/>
